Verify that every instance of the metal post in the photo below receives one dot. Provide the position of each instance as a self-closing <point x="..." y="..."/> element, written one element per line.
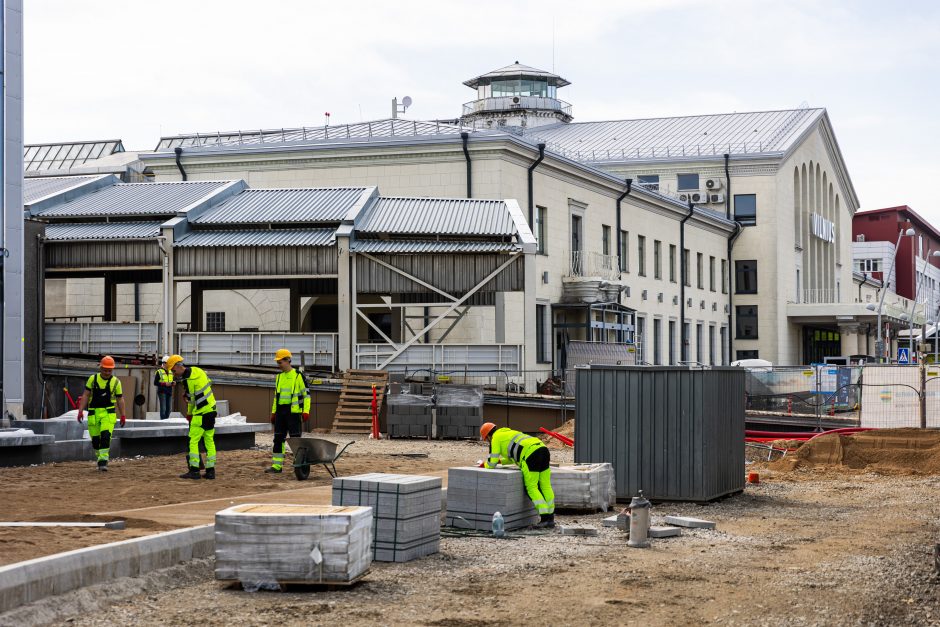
<point x="879" y="344"/>
<point x="817" y="371"/>
<point x="923" y="394"/>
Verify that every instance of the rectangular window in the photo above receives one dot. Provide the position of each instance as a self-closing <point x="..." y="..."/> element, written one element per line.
<point x="640" y="339"/>
<point x="686" y="278"/>
<point x="215" y="321"/>
<point x="868" y="265"/>
<point x="745" y="209"/>
<point x="711" y="273"/>
<point x="724" y="345"/>
<point x="624" y="251"/>
<point x="724" y="276"/>
<point x="541" y="218"/>
<point x="746" y="355"/>
<point x="687" y="182"/>
<point x="575" y="234"/>
<point x="745" y="322"/>
<point x="672" y="262"/>
<point x="699" y="352"/>
<point x="542" y="334"/>
<point x="672" y="342"/>
<point x="649" y="181"/>
<point x="700" y="270"/>
<point x="605" y="239"/>
<point x="684" y="340"/>
<point x="657" y="259"/>
<point x="711" y="345"/>
<point x="641" y="255"/>
<point x="657" y="340"/>
<point x="745" y="276"/>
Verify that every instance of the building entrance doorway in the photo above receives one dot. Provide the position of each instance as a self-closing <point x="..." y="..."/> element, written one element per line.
<point x="819" y="343"/>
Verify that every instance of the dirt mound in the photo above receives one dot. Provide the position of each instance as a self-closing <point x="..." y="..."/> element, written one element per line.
<point x="566" y="429"/>
<point x="896" y="451"/>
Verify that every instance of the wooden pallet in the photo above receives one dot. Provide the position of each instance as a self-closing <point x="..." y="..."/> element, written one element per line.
<point x="354" y="408"/>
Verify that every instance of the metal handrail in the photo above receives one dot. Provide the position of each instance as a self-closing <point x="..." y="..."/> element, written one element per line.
<point x="509" y="103"/>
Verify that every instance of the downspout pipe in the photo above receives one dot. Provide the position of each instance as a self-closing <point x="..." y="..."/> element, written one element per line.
<point x="179" y="153"/>
<point x="620" y="222"/>
<point x="738" y="229"/>
<point x="727" y="187"/>
<point x="465" y="137"/>
<point x="532" y="167"/>
<point x="683" y="264"/>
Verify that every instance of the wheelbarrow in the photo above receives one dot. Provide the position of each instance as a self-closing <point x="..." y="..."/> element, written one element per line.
<point x="309" y="450"/>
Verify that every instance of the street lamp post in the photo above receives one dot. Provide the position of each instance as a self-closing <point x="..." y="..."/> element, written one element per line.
<point x="879" y="344"/>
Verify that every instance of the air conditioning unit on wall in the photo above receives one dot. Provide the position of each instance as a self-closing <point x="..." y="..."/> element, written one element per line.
<point x="716" y="198"/>
<point x="712" y="184"/>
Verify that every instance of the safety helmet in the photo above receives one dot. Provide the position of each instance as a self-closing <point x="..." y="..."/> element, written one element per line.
<point x="282" y="354"/>
<point x="165" y="359"/>
<point x="107" y="361"/>
<point x="485" y="429"/>
<point x="173" y="360"/>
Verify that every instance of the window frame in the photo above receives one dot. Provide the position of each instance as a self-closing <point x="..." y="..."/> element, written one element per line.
<point x="541" y="232"/>
<point x="750" y="220"/>
<point x="657" y="259"/>
<point x="641" y="255"/>
<point x="738" y="273"/>
<point x="688" y="176"/>
<point x="212" y="321"/>
<point x="739" y="315"/>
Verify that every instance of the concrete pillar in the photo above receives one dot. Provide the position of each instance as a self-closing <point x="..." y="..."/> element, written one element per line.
<point x="294" y="306"/>
<point x="110" y="299"/>
<point x="529" y="311"/>
<point x="500" y="317"/>
<point x="169" y="294"/>
<point x="344" y="302"/>
<point x="196" y="316"/>
<point x="849" y="337"/>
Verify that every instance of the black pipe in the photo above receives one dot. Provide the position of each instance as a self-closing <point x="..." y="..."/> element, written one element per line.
<point x="620" y="223"/>
<point x="684" y="262"/>
<point x="465" y="136"/>
<point x="728" y="188"/>
<point x="532" y="167"/>
<point x="738" y="229"/>
<point x="179" y="152"/>
<point x="136" y="302"/>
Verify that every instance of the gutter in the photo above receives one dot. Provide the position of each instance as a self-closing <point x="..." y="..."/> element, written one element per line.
<point x="531" y="169"/>
<point x="728" y="187"/>
<point x="465" y="137"/>
<point x="620" y="221"/>
<point x="738" y="229"/>
<point x="179" y="152"/>
<point x="684" y="262"/>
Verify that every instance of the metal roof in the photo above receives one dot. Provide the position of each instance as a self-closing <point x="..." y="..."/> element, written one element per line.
<point x="363" y="130"/>
<point x="67" y="155"/>
<point x="432" y="246"/>
<point x="267" y="206"/>
<point x="516" y="70"/>
<point x="761" y="132"/>
<point x="40" y="187"/>
<point x="268" y="237"/>
<point x="433" y="216"/>
<point x="63" y="231"/>
<point x="134" y="199"/>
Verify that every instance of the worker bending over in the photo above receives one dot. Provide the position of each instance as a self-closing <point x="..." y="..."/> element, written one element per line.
<point x="102" y="392"/>
<point x="290" y="408"/>
<point x="200" y="413"/>
<point x="532" y="458"/>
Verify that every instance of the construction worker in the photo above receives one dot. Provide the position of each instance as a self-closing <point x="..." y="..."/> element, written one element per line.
<point x="532" y="458"/>
<point x="102" y="392"/>
<point x="163" y="381"/>
<point x="290" y="408"/>
<point x="200" y="413"/>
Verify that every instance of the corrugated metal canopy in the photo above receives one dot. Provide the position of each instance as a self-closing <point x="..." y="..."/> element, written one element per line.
<point x="67" y="155"/>
<point x="431" y="216"/>
<point x="64" y="231"/>
<point x="265" y="206"/>
<point x="134" y="199"/>
<point x="402" y="247"/>
<point x="672" y="138"/>
<point x="40" y="187"/>
<point x="270" y="237"/>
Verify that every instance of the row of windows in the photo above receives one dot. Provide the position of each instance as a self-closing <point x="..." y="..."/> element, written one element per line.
<point x="868" y="265"/>
<point x="745" y="205"/>
<point x="651" y="344"/>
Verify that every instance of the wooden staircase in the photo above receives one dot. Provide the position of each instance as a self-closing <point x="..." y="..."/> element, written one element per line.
<point x="354" y="409"/>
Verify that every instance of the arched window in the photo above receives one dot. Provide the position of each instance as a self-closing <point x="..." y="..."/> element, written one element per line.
<point x="797" y="209"/>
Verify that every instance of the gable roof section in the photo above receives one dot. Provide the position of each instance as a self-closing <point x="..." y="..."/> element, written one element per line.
<point x="437" y="216"/>
<point x="134" y="199"/>
<point x="40" y="187"/>
<point x="67" y="155"/>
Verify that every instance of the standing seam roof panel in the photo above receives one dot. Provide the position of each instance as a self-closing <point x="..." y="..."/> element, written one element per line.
<point x="40" y="187"/>
<point x="135" y="199"/>
<point x="446" y="216"/>
<point x="262" y="206"/>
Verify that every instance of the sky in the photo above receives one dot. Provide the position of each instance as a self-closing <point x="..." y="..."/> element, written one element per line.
<point x="103" y="69"/>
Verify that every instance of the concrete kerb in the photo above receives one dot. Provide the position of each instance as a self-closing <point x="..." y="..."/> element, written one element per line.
<point x="32" y="580"/>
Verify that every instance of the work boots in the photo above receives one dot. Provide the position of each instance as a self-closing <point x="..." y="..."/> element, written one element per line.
<point x="192" y="474"/>
<point x="210" y="473"/>
<point x="102" y="465"/>
<point x="547" y="521"/>
<point x="272" y="470"/>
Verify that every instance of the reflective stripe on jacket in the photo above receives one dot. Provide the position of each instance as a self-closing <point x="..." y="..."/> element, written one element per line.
<point x="508" y="445"/>
<point x="104" y="392"/>
<point x="198" y="391"/>
<point x="289" y="389"/>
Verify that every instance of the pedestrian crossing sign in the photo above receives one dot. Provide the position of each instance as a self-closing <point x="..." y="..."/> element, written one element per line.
<point x="904" y="356"/>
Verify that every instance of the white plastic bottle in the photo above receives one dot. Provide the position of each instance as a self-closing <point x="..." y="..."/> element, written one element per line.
<point x="499" y="525"/>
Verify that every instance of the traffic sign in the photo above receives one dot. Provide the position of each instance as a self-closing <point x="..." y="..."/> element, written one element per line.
<point x="904" y="356"/>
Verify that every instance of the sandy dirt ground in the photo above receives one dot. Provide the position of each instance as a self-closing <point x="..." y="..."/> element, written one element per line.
<point x="807" y="546"/>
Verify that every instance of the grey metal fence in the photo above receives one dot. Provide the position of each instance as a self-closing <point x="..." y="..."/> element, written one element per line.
<point x="807" y="392"/>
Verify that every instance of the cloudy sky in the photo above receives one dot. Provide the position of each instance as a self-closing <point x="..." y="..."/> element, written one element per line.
<point x="100" y="69"/>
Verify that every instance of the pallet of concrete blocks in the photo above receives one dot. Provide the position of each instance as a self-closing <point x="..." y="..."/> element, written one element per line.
<point x="264" y="545"/>
<point x="475" y="494"/>
<point x="584" y="486"/>
<point x="458" y="410"/>
<point x="406" y="512"/>
<point x="409" y="412"/>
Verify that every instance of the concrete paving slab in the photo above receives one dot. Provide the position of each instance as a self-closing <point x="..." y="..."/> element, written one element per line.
<point x="692" y="523"/>
<point x="664" y="531"/>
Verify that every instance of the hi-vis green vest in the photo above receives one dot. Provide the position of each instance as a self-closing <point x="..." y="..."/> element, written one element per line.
<point x="508" y="445"/>
<point x="198" y="391"/>
<point x="289" y="389"/>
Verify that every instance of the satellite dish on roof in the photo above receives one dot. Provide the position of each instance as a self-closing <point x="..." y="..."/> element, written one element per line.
<point x="406" y="101"/>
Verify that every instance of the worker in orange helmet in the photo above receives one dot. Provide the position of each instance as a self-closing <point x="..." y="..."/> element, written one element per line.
<point x="102" y="393"/>
<point x="533" y="459"/>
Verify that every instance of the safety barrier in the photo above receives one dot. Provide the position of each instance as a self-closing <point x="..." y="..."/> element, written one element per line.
<point x="443" y="357"/>
<point x="102" y="338"/>
<point x="256" y="348"/>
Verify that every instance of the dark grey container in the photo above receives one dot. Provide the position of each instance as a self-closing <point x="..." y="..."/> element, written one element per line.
<point x="675" y="433"/>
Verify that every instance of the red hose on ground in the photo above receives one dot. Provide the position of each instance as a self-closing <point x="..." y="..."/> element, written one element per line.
<point x="561" y="438"/>
<point x="792" y="435"/>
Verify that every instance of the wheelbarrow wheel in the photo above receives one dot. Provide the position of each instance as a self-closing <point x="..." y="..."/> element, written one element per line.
<point x="301" y="467"/>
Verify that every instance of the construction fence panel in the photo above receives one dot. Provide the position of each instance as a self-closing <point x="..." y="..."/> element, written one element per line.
<point x="257" y="349"/>
<point x="805" y="392"/>
<point x="102" y="338"/>
<point x="891" y="397"/>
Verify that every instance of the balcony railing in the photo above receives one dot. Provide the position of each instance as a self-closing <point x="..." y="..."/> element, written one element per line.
<point x="510" y="103"/>
<point x="596" y="265"/>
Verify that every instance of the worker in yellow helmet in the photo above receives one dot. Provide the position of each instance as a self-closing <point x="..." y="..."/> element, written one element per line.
<point x="102" y="393"/>
<point x="200" y="413"/>
<point x="290" y="408"/>
<point x="533" y="459"/>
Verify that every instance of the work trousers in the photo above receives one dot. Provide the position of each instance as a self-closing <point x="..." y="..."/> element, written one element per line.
<point x="202" y="429"/>
<point x="537" y="476"/>
<point x="166" y="404"/>
<point x="100" y="427"/>
<point x="285" y="423"/>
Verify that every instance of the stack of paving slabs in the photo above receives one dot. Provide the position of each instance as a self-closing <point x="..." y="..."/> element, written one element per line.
<point x="584" y="486"/>
<point x="278" y="544"/>
<point x="459" y="410"/>
<point x="409" y="411"/>
<point x="475" y="494"/>
<point x="406" y="512"/>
